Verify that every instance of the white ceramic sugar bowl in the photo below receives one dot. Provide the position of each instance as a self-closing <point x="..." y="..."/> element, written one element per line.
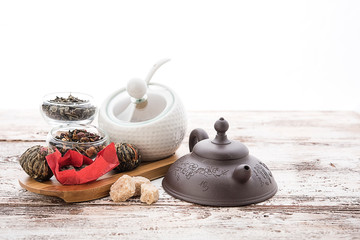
<point x="148" y="115"/>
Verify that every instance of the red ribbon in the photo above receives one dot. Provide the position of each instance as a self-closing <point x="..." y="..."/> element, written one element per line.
<point x="105" y="161"/>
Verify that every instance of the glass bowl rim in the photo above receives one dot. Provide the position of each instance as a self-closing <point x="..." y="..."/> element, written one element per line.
<point x="101" y="133"/>
<point x="88" y="97"/>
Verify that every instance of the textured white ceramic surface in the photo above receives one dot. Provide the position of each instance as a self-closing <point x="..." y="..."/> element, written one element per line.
<point x="155" y="139"/>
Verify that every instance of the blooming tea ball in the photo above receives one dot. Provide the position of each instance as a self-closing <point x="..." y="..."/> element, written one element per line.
<point x="34" y="163"/>
<point x="128" y="155"/>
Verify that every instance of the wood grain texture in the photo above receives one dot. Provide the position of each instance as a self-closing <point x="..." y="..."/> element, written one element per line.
<point x="96" y="189"/>
<point x="314" y="157"/>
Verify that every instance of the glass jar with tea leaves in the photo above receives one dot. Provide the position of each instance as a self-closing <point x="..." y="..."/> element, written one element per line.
<point x="88" y="140"/>
<point x="70" y="114"/>
<point x="68" y="108"/>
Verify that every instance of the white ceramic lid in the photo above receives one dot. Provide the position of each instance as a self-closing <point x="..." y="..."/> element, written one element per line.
<point x="140" y="103"/>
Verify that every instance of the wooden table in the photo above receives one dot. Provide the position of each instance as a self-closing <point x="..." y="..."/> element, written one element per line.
<point x="314" y="157"/>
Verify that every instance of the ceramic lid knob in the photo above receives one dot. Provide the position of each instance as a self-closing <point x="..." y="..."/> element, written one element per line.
<point x="136" y="88"/>
<point x="221" y="126"/>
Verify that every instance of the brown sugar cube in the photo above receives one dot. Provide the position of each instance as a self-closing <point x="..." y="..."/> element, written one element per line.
<point x="138" y="182"/>
<point x="122" y="189"/>
<point x="149" y="193"/>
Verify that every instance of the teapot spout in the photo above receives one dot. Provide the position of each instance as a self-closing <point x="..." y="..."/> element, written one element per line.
<point x="242" y="173"/>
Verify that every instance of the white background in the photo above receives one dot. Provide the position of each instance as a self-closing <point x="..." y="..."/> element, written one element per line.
<point x="226" y="55"/>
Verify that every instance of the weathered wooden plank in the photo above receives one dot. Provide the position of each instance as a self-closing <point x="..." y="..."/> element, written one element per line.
<point x="28" y="125"/>
<point x="22" y="125"/>
<point x="178" y="222"/>
<point x="305" y="162"/>
<point x="278" y="156"/>
<point x="314" y="156"/>
<point x="296" y="187"/>
<point x="306" y="175"/>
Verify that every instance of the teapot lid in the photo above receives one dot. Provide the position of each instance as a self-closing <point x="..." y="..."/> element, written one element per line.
<point x="140" y="102"/>
<point x="220" y="148"/>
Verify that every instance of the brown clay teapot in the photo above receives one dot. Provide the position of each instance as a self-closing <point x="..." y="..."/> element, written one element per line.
<point x="219" y="172"/>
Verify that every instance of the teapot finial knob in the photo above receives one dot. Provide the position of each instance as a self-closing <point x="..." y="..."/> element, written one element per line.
<point x="221" y="126"/>
<point x="136" y="88"/>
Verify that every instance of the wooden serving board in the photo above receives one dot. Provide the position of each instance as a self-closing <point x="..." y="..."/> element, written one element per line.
<point x="96" y="189"/>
